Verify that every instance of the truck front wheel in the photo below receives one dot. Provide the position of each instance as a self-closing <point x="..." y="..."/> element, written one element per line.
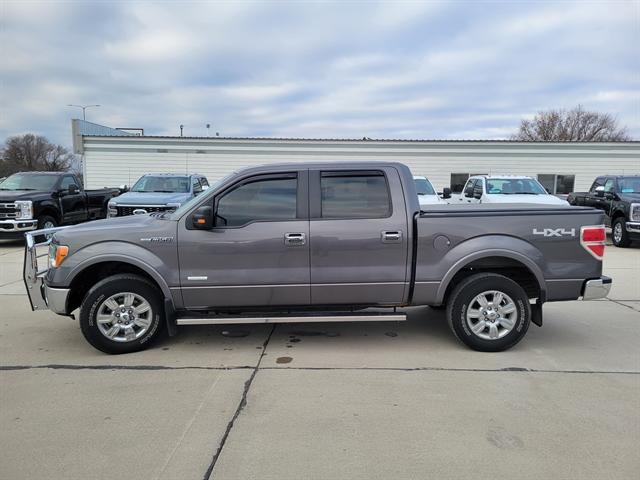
<point x="619" y="235"/>
<point x="121" y="314"/>
<point x="489" y="312"/>
<point x="45" y="221"/>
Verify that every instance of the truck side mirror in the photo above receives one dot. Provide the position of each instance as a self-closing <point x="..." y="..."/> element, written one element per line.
<point x="202" y="218"/>
<point x="73" y="190"/>
<point x="477" y="194"/>
<point x="446" y="193"/>
<point x="600" y="191"/>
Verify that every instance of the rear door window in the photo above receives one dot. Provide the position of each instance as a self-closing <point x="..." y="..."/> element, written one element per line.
<point x="354" y="195"/>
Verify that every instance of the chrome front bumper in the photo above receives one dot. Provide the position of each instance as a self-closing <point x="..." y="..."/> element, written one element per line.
<point x="41" y="296"/>
<point x="633" y="227"/>
<point x="13" y="226"/>
<point x="596" y="288"/>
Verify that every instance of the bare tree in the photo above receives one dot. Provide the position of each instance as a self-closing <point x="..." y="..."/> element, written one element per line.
<point x="33" y="152"/>
<point x="575" y="125"/>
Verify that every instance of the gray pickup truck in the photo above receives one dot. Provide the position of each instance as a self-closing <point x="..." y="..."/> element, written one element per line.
<point x="317" y="242"/>
<point x="158" y="192"/>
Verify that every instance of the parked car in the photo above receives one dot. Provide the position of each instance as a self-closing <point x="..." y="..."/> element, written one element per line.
<point x="505" y="189"/>
<point x="319" y="242"/>
<point x="618" y="196"/>
<point x="158" y="192"/>
<point x="426" y="193"/>
<point x="33" y="200"/>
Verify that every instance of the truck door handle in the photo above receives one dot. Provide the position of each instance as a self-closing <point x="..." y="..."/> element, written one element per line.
<point x="293" y="239"/>
<point x="391" y="236"/>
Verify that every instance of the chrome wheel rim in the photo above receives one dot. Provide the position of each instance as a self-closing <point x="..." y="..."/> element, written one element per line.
<point x="617" y="232"/>
<point x="47" y="225"/>
<point x="492" y="315"/>
<point x="124" y="317"/>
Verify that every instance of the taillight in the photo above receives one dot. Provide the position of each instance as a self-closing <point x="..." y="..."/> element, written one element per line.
<point x="592" y="238"/>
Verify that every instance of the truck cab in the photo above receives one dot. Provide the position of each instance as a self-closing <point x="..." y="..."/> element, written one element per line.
<point x="505" y="189"/>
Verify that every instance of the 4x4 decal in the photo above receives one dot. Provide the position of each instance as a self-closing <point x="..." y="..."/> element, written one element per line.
<point x="555" y="232"/>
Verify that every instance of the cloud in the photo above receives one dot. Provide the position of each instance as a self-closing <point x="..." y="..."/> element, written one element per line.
<point x="314" y="69"/>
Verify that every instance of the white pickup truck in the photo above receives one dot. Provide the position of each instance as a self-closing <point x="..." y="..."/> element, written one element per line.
<point x="504" y="189"/>
<point x="426" y="193"/>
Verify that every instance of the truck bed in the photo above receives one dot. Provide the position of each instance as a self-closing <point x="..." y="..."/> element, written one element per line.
<point x="543" y="238"/>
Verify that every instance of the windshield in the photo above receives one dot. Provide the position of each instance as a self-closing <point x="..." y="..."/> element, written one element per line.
<point x="185" y="207"/>
<point x="514" y="186"/>
<point x="424" y="187"/>
<point x="163" y="184"/>
<point x="23" y="181"/>
<point x="629" y="184"/>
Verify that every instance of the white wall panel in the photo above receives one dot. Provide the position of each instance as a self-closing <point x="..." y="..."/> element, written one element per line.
<point x="114" y="161"/>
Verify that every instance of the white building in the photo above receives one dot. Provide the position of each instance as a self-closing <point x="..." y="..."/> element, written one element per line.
<point x="115" y="157"/>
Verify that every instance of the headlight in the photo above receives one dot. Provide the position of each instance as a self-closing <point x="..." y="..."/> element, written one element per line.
<point x="24" y="210"/>
<point x="635" y="212"/>
<point x="112" y="210"/>
<point x="57" y="254"/>
<point x="172" y="207"/>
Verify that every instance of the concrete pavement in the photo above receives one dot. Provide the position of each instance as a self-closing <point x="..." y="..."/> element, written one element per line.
<point x="323" y="401"/>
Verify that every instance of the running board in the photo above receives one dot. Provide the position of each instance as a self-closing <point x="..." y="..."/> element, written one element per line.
<point x="220" y="320"/>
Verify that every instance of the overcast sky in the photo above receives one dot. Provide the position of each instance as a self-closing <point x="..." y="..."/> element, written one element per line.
<point x="428" y="70"/>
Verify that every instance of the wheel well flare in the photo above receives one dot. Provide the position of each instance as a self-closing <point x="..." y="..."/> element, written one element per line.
<point x="510" y="268"/>
<point x="86" y="279"/>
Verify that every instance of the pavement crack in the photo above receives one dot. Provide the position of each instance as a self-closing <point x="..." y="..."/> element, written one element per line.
<point x="188" y="426"/>
<point x="243" y="402"/>
<point x="444" y="369"/>
<point x="258" y="367"/>
<point x="619" y="302"/>
<point x="117" y="367"/>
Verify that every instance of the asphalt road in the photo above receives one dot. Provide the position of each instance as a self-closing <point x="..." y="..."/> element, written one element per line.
<point x="325" y="401"/>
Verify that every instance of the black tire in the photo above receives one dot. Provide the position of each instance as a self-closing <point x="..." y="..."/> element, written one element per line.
<point x="623" y="240"/>
<point x="44" y="219"/>
<point x="466" y="292"/>
<point x="95" y="299"/>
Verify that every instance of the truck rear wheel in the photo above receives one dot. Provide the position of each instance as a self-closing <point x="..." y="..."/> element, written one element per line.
<point x="619" y="234"/>
<point x="121" y="314"/>
<point x="489" y="312"/>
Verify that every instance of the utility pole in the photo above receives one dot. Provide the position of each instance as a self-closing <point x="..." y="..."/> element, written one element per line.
<point x="84" y="119"/>
<point x="84" y="109"/>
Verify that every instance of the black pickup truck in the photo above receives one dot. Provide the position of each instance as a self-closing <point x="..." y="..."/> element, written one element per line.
<point x="619" y="197"/>
<point x="36" y="200"/>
